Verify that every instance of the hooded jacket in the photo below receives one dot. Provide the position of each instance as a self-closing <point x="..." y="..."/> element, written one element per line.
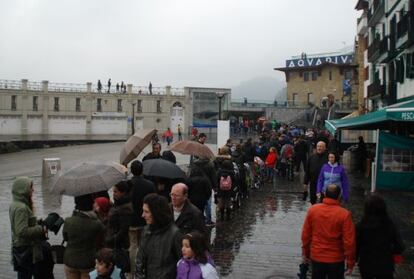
<point x="24" y="228"/>
<point x="271" y="159"/>
<point x="333" y="174"/>
<point x="192" y="269"/>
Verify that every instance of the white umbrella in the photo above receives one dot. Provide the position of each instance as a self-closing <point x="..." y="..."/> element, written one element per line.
<point x="89" y="177"/>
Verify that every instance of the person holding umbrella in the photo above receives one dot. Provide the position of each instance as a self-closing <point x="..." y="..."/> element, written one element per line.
<point x="80" y="232"/>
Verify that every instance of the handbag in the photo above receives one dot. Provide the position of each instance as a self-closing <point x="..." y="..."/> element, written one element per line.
<point x="58" y="252"/>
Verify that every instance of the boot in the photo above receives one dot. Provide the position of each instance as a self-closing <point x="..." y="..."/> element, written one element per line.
<point x="228" y="214"/>
<point x="222" y="214"/>
<point x="305" y="195"/>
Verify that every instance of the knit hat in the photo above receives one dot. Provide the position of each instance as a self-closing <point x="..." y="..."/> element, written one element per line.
<point x="104" y="204"/>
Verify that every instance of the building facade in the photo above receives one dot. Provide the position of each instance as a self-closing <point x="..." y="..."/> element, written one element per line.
<point x="387" y="28"/>
<point x="48" y="109"/>
<point x="313" y="79"/>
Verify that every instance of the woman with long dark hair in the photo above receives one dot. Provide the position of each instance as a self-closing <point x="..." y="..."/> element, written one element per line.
<point x="378" y="241"/>
<point x="160" y="247"/>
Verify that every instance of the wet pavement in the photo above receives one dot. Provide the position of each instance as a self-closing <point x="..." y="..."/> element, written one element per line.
<point x="262" y="240"/>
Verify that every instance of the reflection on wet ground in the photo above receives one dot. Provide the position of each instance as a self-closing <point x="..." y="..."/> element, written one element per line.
<point x="262" y="240"/>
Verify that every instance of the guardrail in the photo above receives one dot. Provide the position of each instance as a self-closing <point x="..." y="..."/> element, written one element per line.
<point x="78" y="87"/>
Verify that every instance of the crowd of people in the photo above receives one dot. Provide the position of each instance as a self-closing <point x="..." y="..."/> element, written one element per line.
<point x="159" y="228"/>
<point x="119" y="87"/>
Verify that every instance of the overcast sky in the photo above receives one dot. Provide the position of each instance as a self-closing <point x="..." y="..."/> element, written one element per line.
<point x="212" y="43"/>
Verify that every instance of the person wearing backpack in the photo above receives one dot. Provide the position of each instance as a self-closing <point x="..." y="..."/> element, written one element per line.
<point x="226" y="179"/>
<point x="286" y="162"/>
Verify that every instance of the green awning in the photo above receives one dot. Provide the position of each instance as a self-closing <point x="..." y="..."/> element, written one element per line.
<point x="403" y="111"/>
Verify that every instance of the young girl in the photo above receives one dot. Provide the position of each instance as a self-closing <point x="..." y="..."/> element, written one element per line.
<point x="105" y="267"/>
<point x="196" y="262"/>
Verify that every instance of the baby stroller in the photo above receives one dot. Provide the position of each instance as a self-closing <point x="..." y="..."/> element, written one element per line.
<point x="258" y="170"/>
<point x="236" y="197"/>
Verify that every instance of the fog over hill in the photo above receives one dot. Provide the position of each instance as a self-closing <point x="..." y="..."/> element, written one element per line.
<point x="260" y="88"/>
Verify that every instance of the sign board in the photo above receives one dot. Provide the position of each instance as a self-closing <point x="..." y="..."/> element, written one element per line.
<point x="223" y="132"/>
<point x="316" y="61"/>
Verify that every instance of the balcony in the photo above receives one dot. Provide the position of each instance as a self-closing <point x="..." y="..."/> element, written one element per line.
<point x="391" y="97"/>
<point x="376" y="15"/>
<point x="383" y="45"/>
<point x="373" y="50"/>
<point x="376" y="89"/>
<point x="402" y="26"/>
<point x="411" y="25"/>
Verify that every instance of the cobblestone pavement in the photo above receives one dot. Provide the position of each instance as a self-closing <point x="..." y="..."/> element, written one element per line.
<point x="262" y="240"/>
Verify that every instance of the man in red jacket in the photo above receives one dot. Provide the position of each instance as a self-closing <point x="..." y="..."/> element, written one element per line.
<point x="328" y="237"/>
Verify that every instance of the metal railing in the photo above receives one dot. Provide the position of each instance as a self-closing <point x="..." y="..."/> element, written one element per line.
<point x="78" y="87"/>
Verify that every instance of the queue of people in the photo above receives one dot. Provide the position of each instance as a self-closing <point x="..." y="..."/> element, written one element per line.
<point x="158" y="228"/>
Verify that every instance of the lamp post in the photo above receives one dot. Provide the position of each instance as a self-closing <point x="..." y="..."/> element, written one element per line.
<point x="133" y="119"/>
<point x="220" y="96"/>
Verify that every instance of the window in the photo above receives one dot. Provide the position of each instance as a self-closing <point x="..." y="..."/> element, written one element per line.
<point x="310" y="98"/>
<point x="306" y="76"/>
<point x="119" y="105"/>
<point x="78" y="105"/>
<point x="330" y="75"/>
<point x="35" y="106"/>
<point x="348" y="74"/>
<point x="314" y="75"/>
<point x="139" y="106"/>
<point x="56" y="106"/>
<point x="295" y="99"/>
<point x="13" y="102"/>
<point x="159" y="106"/>
<point x="99" y="105"/>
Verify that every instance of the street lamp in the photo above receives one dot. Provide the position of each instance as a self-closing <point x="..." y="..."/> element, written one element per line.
<point x="220" y="96"/>
<point x="133" y="118"/>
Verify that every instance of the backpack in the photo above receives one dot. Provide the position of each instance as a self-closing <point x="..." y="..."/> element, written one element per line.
<point x="225" y="183"/>
<point x="288" y="152"/>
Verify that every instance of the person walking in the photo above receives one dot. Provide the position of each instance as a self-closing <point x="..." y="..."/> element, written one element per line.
<point x="312" y="170"/>
<point x="328" y="237"/>
<point x="226" y="183"/>
<point x="333" y="173"/>
<point x="301" y="152"/>
<point x="180" y="132"/>
<point x="117" y="232"/>
<point x="81" y="231"/>
<point x="150" y="88"/>
<point x="27" y="235"/>
<point x="379" y="244"/>
<point x="139" y="188"/>
<point x="270" y="164"/>
<point x="160" y="247"/>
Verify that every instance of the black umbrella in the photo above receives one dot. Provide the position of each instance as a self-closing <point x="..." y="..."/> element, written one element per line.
<point x="162" y="168"/>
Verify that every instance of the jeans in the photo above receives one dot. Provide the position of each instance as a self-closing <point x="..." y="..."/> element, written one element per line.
<point x="207" y="210"/>
<point x="328" y="270"/>
<point x="270" y="173"/>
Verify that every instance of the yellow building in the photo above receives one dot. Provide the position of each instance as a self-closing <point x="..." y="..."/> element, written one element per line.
<point x="322" y="80"/>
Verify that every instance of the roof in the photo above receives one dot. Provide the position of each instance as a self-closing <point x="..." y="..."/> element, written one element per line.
<point x="400" y="112"/>
<point x="295" y="69"/>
